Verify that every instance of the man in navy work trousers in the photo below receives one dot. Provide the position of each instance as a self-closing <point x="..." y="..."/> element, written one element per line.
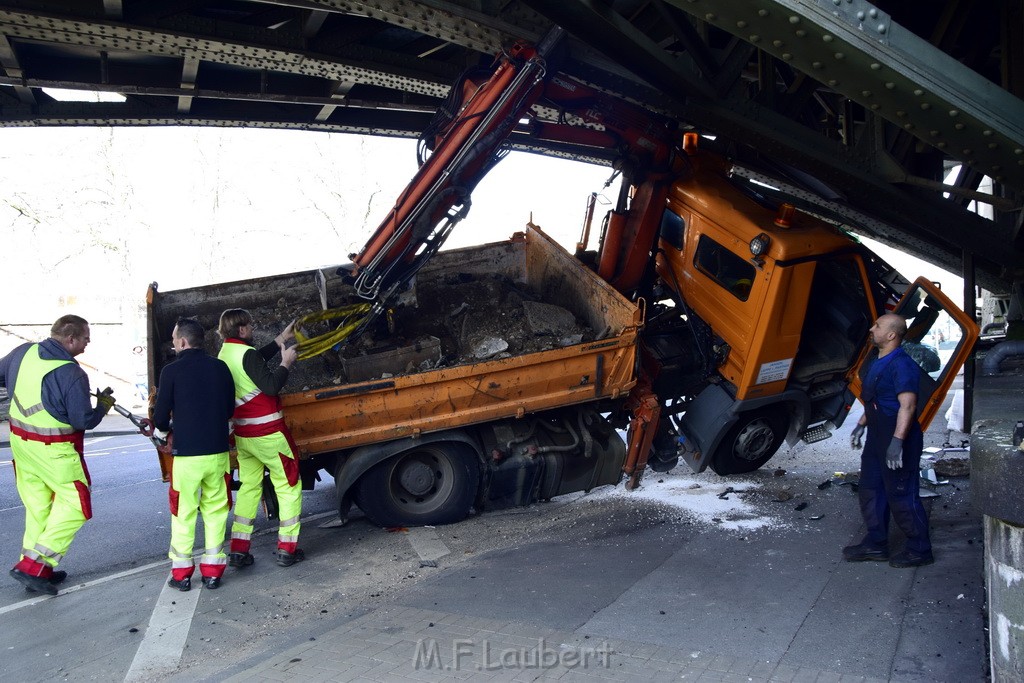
<point x="890" y="463"/>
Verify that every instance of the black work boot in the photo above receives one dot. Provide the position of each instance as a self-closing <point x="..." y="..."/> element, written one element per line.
<point x="240" y="560"/>
<point x="211" y="582"/>
<point x="864" y="552"/>
<point x="184" y="585"/>
<point x="36" y="584"/>
<point x="56" y="578"/>
<point x="287" y="559"/>
<point x="908" y="558"/>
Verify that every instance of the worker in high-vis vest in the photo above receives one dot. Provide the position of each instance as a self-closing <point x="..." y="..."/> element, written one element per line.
<point x="262" y="440"/>
<point x="50" y="410"/>
<point x="195" y="400"/>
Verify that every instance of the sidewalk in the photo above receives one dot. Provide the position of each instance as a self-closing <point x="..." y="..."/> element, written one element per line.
<point x="665" y="603"/>
<point x="401" y="644"/>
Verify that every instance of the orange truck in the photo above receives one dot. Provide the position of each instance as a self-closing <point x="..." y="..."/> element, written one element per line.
<point x="722" y="321"/>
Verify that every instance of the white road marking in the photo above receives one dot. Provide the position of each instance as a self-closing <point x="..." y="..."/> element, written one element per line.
<point x="137" y="570"/>
<point x="427" y="545"/>
<point x="160" y="650"/>
<point x="161" y="647"/>
<point x="82" y="586"/>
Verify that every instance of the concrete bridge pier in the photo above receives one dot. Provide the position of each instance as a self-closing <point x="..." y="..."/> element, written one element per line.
<point x="997" y="478"/>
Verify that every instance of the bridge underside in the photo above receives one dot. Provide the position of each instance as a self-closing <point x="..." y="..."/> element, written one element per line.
<point x="860" y="112"/>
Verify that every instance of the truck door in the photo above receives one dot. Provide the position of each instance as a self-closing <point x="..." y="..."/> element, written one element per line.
<point x="939" y="338"/>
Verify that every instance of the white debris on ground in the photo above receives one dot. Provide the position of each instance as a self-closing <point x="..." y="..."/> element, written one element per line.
<point x="722" y="503"/>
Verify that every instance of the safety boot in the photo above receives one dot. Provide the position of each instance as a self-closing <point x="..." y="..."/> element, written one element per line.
<point x="33" y="583"/>
<point x="908" y="558"/>
<point x="240" y="560"/>
<point x="184" y="585"/>
<point x="211" y="582"/>
<point x="56" y="578"/>
<point x="865" y="552"/>
<point x="287" y="559"/>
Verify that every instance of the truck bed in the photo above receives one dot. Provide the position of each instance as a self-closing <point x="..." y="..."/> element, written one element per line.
<point x="326" y="416"/>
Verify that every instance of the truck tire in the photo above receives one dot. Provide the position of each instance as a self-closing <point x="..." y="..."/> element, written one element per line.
<point x="432" y="484"/>
<point x="751" y="442"/>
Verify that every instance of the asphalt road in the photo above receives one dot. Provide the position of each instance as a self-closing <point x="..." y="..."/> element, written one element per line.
<point x="130" y="525"/>
<point x="683" y="562"/>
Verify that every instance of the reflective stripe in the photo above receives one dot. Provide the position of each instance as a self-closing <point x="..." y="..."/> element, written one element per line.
<point x="41" y="431"/>
<point x="28" y="391"/>
<point x="244" y="520"/>
<point x="212" y="560"/>
<point x="287" y="539"/>
<point x="31" y="410"/>
<point x="263" y="419"/>
<point x="289" y="522"/>
<point x="46" y="552"/>
<point x="177" y="554"/>
<point x="241" y="536"/>
<point x="30" y="554"/>
<point x="182" y="564"/>
<point x="254" y="409"/>
<point x="213" y="551"/>
<point x="242" y="400"/>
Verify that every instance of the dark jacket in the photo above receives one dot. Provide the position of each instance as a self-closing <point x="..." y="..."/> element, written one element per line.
<point x="198" y="392"/>
<point x="65" y="390"/>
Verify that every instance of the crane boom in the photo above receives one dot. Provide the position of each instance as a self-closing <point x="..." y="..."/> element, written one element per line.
<point x="438" y="196"/>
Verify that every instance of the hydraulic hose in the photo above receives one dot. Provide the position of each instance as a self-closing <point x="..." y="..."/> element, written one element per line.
<point x="351" y="317"/>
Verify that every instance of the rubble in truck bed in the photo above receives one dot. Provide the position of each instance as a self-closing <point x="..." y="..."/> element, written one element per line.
<point x="459" y="319"/>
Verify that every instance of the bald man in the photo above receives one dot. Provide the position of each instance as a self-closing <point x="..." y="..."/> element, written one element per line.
<point x="890" y="462"/>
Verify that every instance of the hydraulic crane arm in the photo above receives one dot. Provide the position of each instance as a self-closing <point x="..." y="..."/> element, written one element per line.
<point x="438" y="196"/>
<point x="470" y="139"/>
<point x="469" y="136"/>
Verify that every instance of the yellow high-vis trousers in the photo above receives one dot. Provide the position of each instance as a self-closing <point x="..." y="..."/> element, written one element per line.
<point x="53" y="484"/>
<point x="200" y="484"/>
<point x="274" y="453"/>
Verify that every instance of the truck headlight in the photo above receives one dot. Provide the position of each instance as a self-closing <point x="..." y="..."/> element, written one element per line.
<point x="759" y="245"/>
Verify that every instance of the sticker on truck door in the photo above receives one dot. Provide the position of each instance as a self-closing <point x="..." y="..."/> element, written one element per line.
<point x="775" y="371"/>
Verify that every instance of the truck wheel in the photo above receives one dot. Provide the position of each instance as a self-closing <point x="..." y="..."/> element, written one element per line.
<point x="751" y="442"/>
<point x="433" y="484"/>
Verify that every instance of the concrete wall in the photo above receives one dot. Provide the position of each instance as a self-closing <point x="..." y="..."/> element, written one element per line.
<point x="997" y="473"/>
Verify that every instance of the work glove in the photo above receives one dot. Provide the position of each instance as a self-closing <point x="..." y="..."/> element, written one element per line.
<point x="856" y="437"/>
<point x="105" y="399"/>
<point x="894" y="453"/>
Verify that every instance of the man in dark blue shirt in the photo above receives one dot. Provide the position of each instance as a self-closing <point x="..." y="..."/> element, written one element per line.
<point x="890" y="463"/>
<point x="197" y="391"/>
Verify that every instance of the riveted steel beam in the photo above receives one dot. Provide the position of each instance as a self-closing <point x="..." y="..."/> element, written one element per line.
<point x="857" y="50"/>
<point x="446" y="21"/>
<point x="9" y="63"/>
<point x="898" y="214"/>
<point x="100" y="35"/>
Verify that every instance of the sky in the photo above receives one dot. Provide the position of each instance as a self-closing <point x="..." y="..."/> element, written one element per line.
<point x="91" y="216"/>
<point x="186" y="207"/>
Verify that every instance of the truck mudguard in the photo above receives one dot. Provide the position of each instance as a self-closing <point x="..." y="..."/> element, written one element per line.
<point x="362" y="459"/>
<point x="714" y="411"/>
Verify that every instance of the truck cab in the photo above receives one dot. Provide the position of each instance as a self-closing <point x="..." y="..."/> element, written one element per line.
<point x="776" y="305"/>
